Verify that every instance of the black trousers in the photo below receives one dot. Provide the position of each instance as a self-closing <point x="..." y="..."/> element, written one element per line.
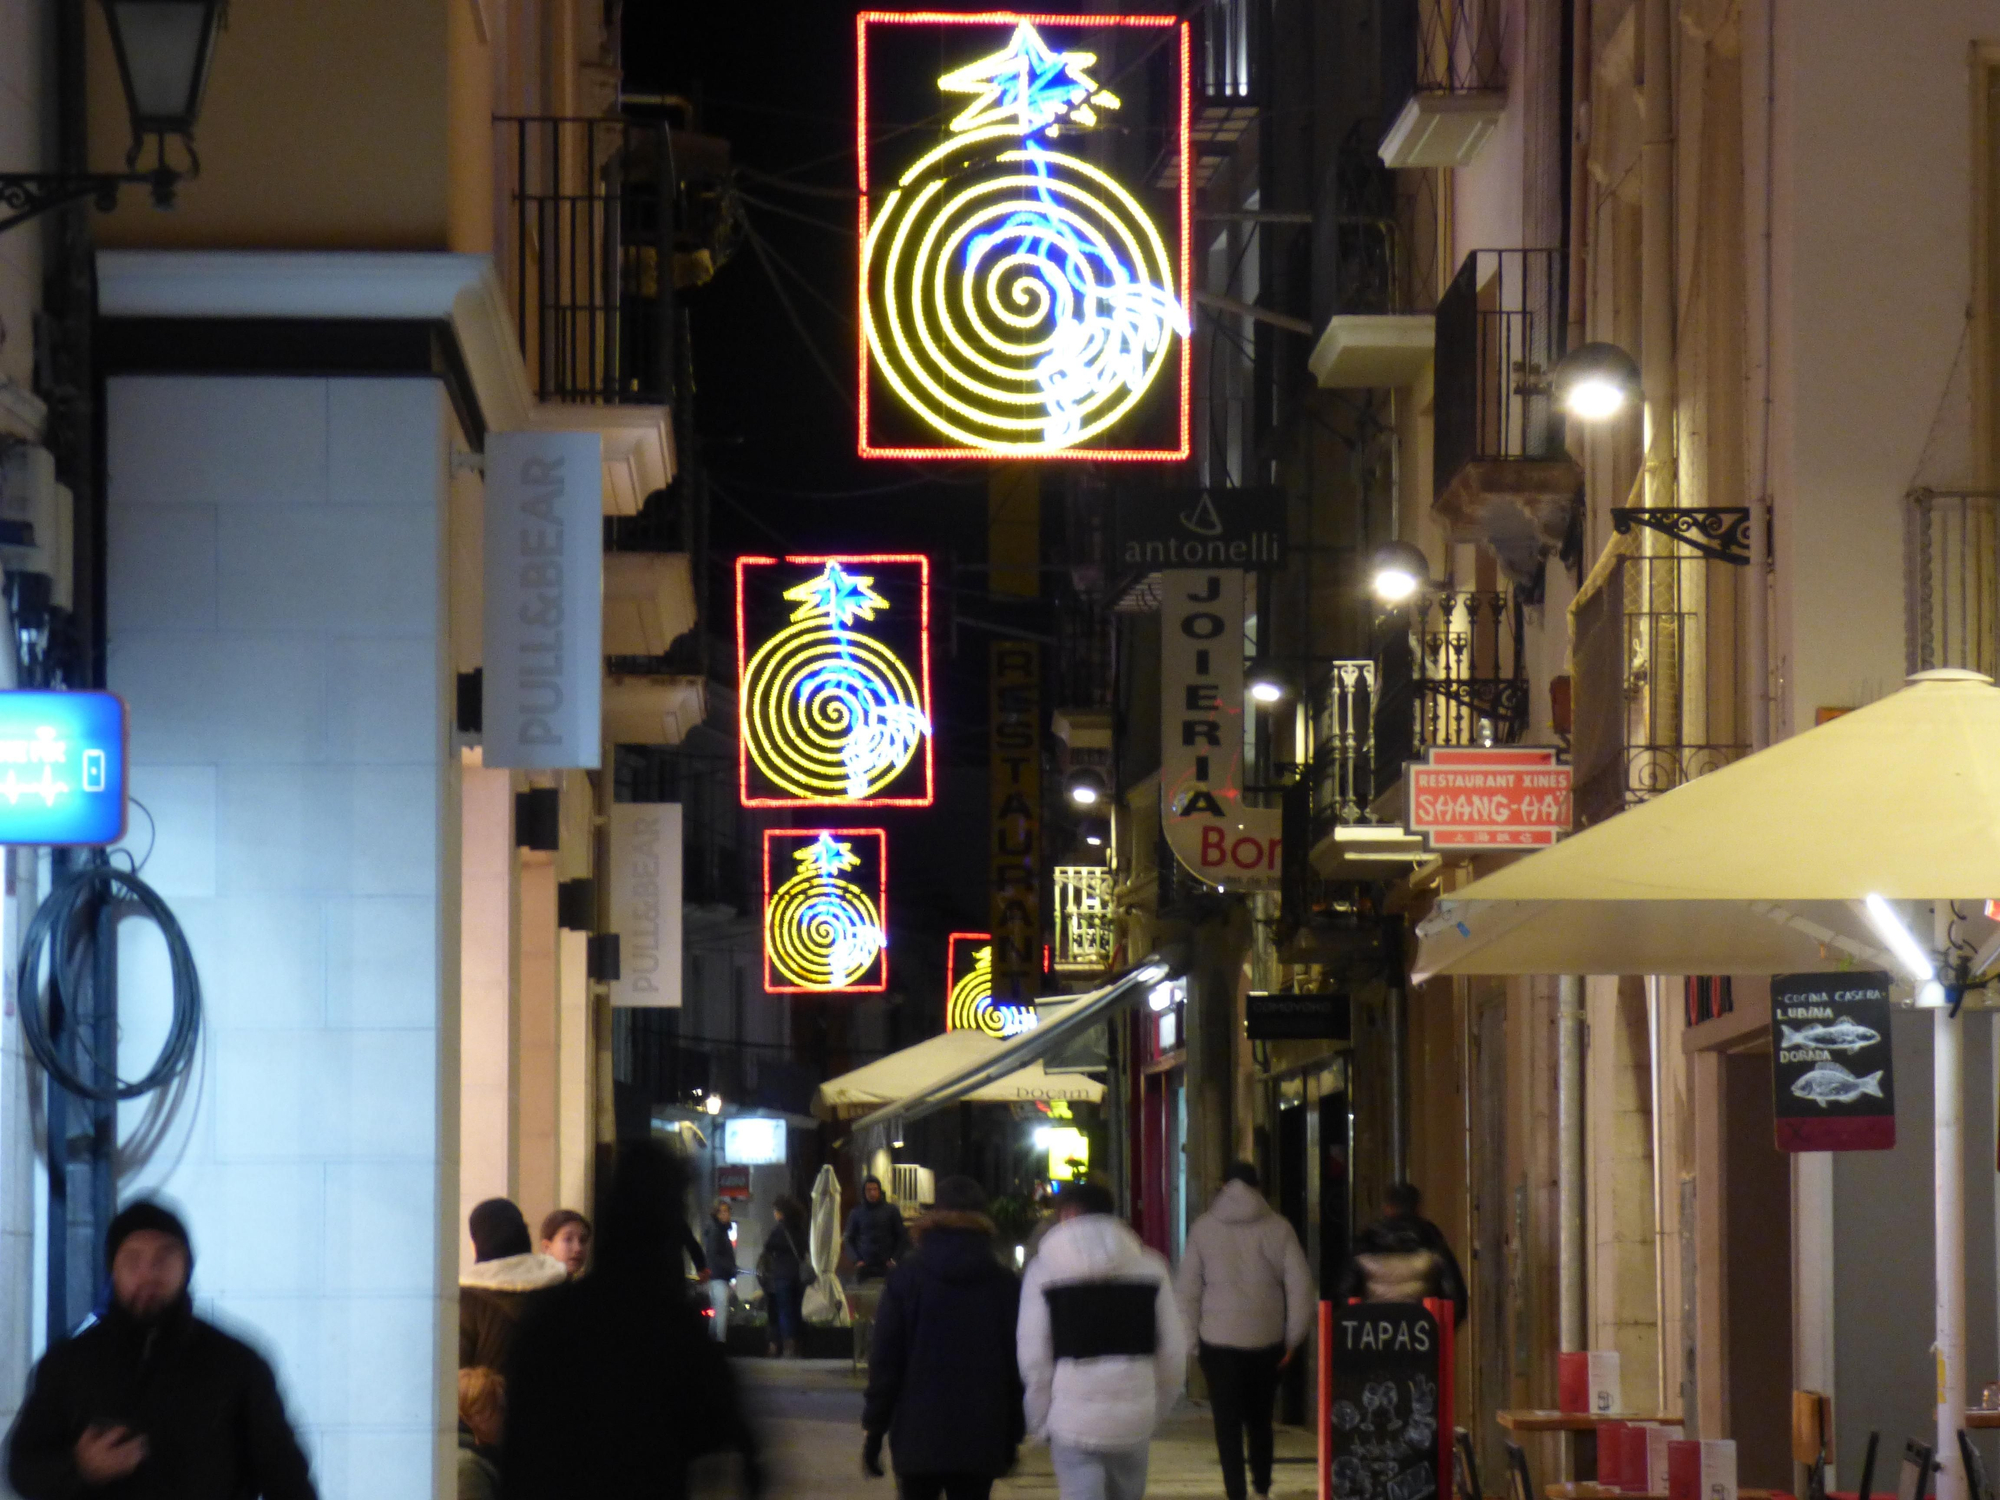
<point x="1242" y="1389"/>
<point x="950" y="1486"/>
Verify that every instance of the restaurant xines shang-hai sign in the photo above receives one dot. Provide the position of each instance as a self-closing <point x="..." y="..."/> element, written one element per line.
<point x="1488" y="797"/>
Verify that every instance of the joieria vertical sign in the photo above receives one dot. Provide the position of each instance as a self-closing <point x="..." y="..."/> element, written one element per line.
<point x="544" y="619"/>
<point x="1201" y="734"/>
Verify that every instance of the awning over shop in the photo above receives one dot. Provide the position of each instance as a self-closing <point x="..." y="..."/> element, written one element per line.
<point x="1756" y="868"/>
<point x="971" y="1066"/>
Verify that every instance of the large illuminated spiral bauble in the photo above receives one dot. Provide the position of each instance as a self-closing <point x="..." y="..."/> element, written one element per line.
<point x="830" y="714"/>
<point x="973" y="1008"/>
<point x="822" y="933"/>
<point x="1021" y="300"/>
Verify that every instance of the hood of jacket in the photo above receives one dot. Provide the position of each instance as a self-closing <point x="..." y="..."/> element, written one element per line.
<point x="516" y="1273"/>
<point x="1093" y="1246"/>
<point x="1240" y="1203"/>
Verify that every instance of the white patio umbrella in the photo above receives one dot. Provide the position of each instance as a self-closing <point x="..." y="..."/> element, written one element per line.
<point x="823" y="1301"/>
<point x="1762" y="868"/>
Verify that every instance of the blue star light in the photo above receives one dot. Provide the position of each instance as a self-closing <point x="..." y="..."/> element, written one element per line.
<point x="841" y="596"/>
<point x="1029" y="85"/>
<point x="825" y="858"/>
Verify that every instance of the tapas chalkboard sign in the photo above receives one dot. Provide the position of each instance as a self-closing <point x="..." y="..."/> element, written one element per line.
<point x="1831" y="1069"/>
<point x="1390" y="1417"/>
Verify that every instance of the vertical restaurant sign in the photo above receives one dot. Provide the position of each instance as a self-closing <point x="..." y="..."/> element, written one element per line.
<point x="1831" y="1069"/>
<point x="543" y="652"/>
<point x="1201" y="734"/>
<point x="968" y="985"/>
<point x="826" y="910"/>
<point x="1024" y="286"/>
<point x="1015" y="731"/>
<point x="834" y="681"/>
<point x="646" y="902"/>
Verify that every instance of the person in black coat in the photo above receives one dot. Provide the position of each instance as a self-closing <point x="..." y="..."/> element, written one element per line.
<point x="943" y="1383"/>
<point x="150" y="1399"/>
<point x="613" y="1386"/>
<point x="874" y="1234"/>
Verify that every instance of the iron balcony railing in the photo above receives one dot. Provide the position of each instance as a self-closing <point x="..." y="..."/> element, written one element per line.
<point x="1226" y="68"/>
<point x="1953" y="592"/>
<point x="1501" y="327"/>
<point x="1449" y="671"/>
<point x="588" y="230"/>
<point x="1343" y="746"/>
<point x="1439" y="47"/>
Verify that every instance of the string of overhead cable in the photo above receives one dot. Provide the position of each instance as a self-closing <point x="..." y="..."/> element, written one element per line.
<point x="764" y="259"/>
<point x="845" y="231"/>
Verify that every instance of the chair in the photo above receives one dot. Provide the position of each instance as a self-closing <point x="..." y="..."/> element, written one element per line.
<point x="1466" y="1477"/>
<point x="1914" y="1482"/>
<point x="1868" y="1467"/>
<point x="1976" y="1487"/>
<point x="1519" y="1485"/>
<point x="1816" y="1479"/>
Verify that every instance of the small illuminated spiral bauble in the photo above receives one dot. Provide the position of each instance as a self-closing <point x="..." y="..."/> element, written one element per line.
<point x="1020" y="300"/>
<point x="822" y="933"/>
<point x="973" y="1008"/>
<point x="830" y="714"/>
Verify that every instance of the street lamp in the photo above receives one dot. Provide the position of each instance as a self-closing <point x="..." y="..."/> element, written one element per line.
<point x="1266" y="684"/>
<point x="1595" y="382"/>
<point x="163" y="48"/>
<point x="1086" y="787"/>
<point x="1398" y="572"/>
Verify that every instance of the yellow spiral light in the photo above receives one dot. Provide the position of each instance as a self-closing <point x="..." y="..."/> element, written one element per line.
<point x="823" y="932"/>
<point x="812" y="694"/>
<point x="971" y="1006"/>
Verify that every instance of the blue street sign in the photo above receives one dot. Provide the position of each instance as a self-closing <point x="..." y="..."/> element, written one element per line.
<point x="62" y="768"/>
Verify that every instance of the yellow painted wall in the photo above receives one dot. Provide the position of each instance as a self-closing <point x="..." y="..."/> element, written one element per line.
<point x="329" y="124"/>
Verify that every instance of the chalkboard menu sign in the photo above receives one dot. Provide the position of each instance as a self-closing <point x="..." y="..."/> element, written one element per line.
<point x="1830" y="1062"/>
<point x="1391" y="1430"/>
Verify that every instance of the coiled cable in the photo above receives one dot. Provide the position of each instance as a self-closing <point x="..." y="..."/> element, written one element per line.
<point x="81" y="894"/>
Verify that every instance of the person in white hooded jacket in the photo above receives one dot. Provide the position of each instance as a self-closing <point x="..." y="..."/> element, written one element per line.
<point x="1102" y="1349"/>
<point x="1247" y="1293"/>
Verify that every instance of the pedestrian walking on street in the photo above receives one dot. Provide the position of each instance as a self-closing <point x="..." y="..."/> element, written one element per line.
<point x="1246" y="1296"/>
<point x="613" y="1388"/>
<point x="482" y="1419"/>
<point x="492" y="1294"/>
<point x="1403" y="1257"/>
<point x="874" y="1235"/>
<point x="1102" y="1348"/>
<point x="943" y="1383"/>
<point x="566" y="1237"/>
<point x="784" y="1270"/>
<point x="150" y="1401"/>
<point x="720" y="1252"/>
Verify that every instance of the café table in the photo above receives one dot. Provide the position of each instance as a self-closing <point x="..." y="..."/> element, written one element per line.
<point x="1978" y="1418"/>
<point x="1582" y="1490"/>
<point x="1581" y="1426"/>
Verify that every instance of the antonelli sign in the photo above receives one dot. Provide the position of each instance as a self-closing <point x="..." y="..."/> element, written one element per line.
<point x="544" y="623"/>
<point x="1831" y="1068"/>
<point x="1214" y="528"/>
<point x="646" y="902"/>
<point x="1488" y="797"/>
<point x="1201" y="734"/>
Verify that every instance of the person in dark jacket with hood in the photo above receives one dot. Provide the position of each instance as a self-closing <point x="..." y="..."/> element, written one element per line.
<point x="943" y="1385"/>
<point x="874" y="1235"/>
<point x="1403" y="1257"/>
<point x="613" y="1386"/>
<point x="150" y="1402"/>
<point x="506" y="1270"/>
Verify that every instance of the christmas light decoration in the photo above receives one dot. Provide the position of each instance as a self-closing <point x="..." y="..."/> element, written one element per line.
<point x="834" y="705"/>
<point x="1018" y="300"/>
<point x="969" y="985"/>
<point x="826" y="910"/>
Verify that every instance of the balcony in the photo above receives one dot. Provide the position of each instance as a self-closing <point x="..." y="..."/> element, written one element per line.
<point x="1443" y="81"/>
<point x="1657" y="690"/>
<point x="1502" y="475"/>
<point x="1449" y="671"/>
<point x="1371" y="298"/>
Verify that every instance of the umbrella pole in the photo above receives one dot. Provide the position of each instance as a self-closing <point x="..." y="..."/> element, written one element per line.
<point x="1949" y="1146"/>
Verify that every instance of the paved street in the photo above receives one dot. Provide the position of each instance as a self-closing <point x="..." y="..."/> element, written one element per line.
<point x="810" y="1415"/>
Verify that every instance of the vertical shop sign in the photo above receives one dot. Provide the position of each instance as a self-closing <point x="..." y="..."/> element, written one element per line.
<point x="544" y="616"/>
<point x="1831" y="1069"/>
<point x="646" y="902"/>
<point x="1015" y="730"/>
<point x="1201" y="734"/>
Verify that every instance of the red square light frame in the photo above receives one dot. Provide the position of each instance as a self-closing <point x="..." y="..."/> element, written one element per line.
<point x="923" y="562"/>
<point x="951" y="942"/>
<point x="1185" y="447"/>
<point x="881" y="903"/>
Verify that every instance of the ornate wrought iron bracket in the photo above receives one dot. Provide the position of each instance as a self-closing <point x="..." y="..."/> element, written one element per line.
<point x="32" y="194"/>
<point x="1718" y="531"/>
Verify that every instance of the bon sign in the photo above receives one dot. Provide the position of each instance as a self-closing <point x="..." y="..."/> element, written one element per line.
<point x="1494" y="797"/>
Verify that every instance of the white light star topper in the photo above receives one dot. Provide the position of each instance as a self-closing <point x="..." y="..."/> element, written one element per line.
<point x="1028" y="84"/>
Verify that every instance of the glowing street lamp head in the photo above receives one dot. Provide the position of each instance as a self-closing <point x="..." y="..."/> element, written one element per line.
<point x="1398" y="573"/>
<point x="1595" y="382"/>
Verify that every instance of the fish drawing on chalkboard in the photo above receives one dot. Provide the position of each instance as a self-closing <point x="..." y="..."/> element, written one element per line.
<point x="1843" y="1035"/>
<point x="1830" y="1083"/>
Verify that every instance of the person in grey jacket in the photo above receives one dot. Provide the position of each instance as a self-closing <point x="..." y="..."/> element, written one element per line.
<point x="1247" y="1296"/>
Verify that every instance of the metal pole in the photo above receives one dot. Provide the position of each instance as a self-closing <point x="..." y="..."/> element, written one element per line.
<point x="1399" y="1155"/>
<point x="1569" y="1159"/>
<point x="1948" y="1090"/>
<point x="1656" y="250"/>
